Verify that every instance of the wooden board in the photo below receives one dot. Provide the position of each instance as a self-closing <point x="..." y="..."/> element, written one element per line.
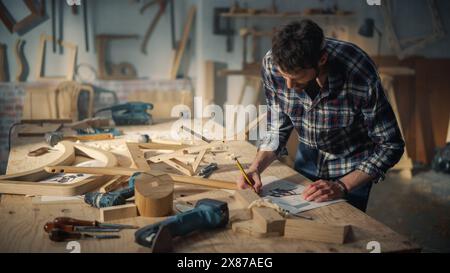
<point x="22" y="221"/>
<point x="316" y="231"/>
<point x="117" y="212"/>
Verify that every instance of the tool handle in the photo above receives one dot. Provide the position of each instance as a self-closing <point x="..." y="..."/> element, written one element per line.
<point x="49" y="226"/>
<point x="58" y="235"/>
<point x="74" y="222"/>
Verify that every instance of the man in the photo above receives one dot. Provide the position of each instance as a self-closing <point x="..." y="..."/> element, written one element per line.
<point x="330" y="92"/>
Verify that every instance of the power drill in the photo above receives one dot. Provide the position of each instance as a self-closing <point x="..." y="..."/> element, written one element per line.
<point x="207" y="214"/>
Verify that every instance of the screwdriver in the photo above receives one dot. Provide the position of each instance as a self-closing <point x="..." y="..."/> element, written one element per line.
<point x="49" y="226"/>
<point x="76" y="222"/>
<point x="58" y="235"/>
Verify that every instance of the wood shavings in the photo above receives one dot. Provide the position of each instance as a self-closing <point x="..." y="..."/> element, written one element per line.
<point x="267" y="203"/>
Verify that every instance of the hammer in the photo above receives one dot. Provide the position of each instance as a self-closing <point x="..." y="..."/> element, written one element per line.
<point x="53" y="138"/>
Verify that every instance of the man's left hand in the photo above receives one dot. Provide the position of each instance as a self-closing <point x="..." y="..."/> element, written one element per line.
<point x="322" y="191"/>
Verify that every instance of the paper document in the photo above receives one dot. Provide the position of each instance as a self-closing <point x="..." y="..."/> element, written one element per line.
<point x="288" y="195"/>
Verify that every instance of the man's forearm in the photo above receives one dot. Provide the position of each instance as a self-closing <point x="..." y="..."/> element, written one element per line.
<point x="262" y="160"/>
<point x="356" y="179"/>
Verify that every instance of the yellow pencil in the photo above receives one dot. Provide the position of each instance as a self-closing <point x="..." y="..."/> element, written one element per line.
<point x="244" y="174"/>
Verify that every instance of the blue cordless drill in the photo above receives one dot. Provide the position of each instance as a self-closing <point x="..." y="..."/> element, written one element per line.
<point x="207" y="214"/>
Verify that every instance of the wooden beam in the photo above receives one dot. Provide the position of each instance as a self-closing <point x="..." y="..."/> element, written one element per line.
<point x="183" y="42"/>
<point x="267" y="219"/>
<point x="181" y="152"/>
<point x="315" y="231"/>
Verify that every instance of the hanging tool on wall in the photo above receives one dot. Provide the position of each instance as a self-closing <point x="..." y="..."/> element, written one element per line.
<point x="54" y="25"/>
<point x="22" y="65"/>
<point x="162" y="8"/>
<point x="61" y="26"/>
<point x="86" y="26"/>
<point x="207" y="214"/>
<point x="172" y="23"/>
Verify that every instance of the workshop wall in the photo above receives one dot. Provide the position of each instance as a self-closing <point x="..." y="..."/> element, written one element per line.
<point x="123" y="17"/>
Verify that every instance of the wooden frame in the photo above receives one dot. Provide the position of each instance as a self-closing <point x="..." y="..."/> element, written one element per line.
<point x="22" y="183"/>
<point x="416" y="43"/>
<point x="37" y="14"/>
<point x="73" y="49"/>
<point x="122" y="71"/>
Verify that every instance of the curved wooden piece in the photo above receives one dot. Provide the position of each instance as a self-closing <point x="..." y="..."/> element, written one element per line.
<point x="107" y="158"/>
<point x="9" y="186"/>
<point x="67" y="158"/>
<point x="153" y="195"/>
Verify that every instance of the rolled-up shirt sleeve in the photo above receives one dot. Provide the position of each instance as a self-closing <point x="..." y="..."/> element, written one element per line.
<point x="279" y="125"/>
<point x="383" y="130"/>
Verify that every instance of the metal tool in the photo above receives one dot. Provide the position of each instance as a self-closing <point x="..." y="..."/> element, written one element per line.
<point x="208" y="170"/>
<point x="195" y="134"/>
<point x="49" y="226"/>
<point x="84" y="223"/>
<point x="207" y="214"/>
<point x="130" y="113"/>
<point x="40" y="151"/>
<point x="58" y="235"/>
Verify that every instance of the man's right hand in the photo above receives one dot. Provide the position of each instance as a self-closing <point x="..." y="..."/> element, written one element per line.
<point x="254" y="177"/>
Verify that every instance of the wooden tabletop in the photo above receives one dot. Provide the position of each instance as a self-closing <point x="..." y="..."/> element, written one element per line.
<point x="22" y="219"/>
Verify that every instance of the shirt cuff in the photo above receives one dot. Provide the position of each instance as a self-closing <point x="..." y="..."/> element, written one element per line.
<point x="372" y="170"/>
<point x="271" y="143"/>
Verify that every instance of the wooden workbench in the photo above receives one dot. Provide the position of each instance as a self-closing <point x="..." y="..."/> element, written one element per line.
<point x="22" y="220"/>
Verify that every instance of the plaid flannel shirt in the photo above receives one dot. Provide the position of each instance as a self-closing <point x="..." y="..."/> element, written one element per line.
<point x="350" y="122"/>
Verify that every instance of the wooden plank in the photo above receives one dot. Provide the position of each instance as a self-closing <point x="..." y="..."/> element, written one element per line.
<point x="117" y="212"/>
<point x="180" y="166"/>
<point x="137" y="157"/>
<point x="316" y="231"/>
<point x="183" y="42"/>
<point x="4" y="75"/>
<point x="181" y="152"/>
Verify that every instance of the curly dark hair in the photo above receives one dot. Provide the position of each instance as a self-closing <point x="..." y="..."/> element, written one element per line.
<point x="297" y="45"/>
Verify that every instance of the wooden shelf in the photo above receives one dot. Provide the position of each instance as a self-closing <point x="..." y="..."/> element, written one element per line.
<point x="286" y="15"/>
